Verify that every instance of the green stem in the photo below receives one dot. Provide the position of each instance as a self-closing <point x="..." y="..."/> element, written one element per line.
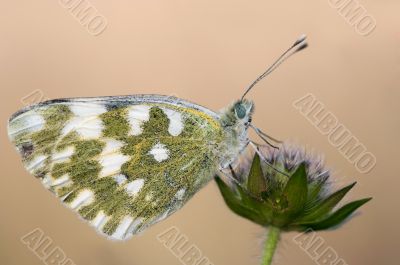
<point x="270" y="245"/>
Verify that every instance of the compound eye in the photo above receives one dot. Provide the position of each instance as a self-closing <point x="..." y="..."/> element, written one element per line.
<point x="240" y="111"/>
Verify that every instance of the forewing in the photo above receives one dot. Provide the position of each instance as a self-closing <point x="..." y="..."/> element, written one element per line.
<point x="122" y="163"/>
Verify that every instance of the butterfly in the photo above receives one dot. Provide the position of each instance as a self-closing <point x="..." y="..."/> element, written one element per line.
<point x="124" y="163"/>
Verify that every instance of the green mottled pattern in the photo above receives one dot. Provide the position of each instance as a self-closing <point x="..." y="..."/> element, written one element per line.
<point x="191" y="163"/>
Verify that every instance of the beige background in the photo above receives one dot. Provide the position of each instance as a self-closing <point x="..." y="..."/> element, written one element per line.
<point x="208" y="52"/>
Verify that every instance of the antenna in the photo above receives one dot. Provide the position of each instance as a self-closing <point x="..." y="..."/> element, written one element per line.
<point x="298" y="45"/>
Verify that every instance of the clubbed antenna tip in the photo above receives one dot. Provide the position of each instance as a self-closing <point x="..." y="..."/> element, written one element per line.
<point x="301" y="39"/>
<point x="298" y="45"/>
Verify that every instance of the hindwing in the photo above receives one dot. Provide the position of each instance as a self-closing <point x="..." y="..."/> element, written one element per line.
<point x="122" y="163"/>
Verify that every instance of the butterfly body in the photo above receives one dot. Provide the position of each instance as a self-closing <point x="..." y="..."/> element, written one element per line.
<point x="125" y="163"/>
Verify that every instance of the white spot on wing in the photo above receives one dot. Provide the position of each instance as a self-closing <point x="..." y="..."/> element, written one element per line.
<point x="64" y="155"/>
<point x="87" y="109"/>
<point x="85" y="197"/>
<point x="26" y="123"/>
<point x="126" y="228"/>
<point x="120" y="179"/>
<point x="134" y="187"/>
<point x="36" y="163"/>
<point x="112" y="145"/>
<point x="133" y="227"/>
<point x="180" y="193"/>
<point x="100" y="220"/>
<point x="136" y="116"/>
<point x="111" y="159"/>
<point x="63" y="198"/>
<point x="47" y="181"/>
<point x="175" y="121"/>
<point x="62" y="181"/>
<point x="111" y="164"/>
<point x="86" y="121"/>
<point x="159" y="152"/>
<point x="88" y="128"/>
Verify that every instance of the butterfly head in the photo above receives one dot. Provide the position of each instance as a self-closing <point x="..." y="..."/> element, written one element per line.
<point x="235" y="120"/>
<point x="243" y="110"/>
<point x="238" y="115"/>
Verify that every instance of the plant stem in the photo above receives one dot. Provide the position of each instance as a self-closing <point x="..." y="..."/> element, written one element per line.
<point x="270" y="245"/>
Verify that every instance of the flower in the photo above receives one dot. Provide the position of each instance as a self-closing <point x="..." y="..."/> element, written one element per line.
<point x="288" y="189"/>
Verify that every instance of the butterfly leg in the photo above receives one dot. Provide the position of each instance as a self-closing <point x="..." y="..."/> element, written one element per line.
<point x="268" y="136"/>
<point x="255" y="147"/>
<point x="261" y="145"/>
<point x="265" y="136"/>
<point x="232" y="176"/>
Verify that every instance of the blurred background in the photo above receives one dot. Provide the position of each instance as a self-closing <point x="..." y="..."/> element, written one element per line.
<point x="208" y="52"/>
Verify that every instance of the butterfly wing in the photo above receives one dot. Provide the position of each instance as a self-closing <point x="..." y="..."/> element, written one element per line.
<point x="123" y="163"/>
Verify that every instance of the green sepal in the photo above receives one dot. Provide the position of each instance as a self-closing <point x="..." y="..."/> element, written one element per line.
<point x="295" y="191"/>
<point x="256" y="183"/>
<point x="314" y="190"/>
<point x="337" y="217"/>
<point x="243" y="204"/>
<point x="324" y="207"/>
